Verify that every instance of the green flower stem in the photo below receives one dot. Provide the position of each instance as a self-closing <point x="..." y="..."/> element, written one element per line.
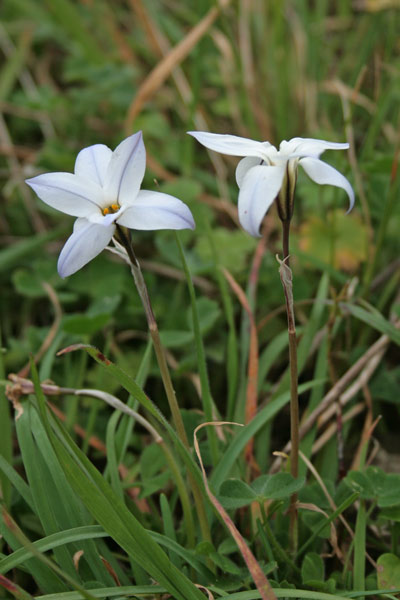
<point x="286" y="279"/>
<point x="165" y="374"/>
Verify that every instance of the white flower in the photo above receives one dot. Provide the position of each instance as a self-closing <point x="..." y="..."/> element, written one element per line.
<point x="105" y="190"/>
<point x="267" y="174"/>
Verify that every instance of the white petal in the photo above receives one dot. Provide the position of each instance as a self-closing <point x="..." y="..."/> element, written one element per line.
<point x="309" y="147"/>
<point x="154" y="210"/>
<point x="79" y="224"/>
<point x="230" y="144"/>
<point x="86" y="242"/>
<point x="245" y="165"/>
<point x="92" y="162"/>
<point x="125" y="171"/>
<point x="259" y="189"/>
<point x="324" y="174"/>
<point x="68" y="193"/>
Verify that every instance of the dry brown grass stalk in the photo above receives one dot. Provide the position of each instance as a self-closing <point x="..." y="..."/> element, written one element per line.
<point x="175" y="57"/>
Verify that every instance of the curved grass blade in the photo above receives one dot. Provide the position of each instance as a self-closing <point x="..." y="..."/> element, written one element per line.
<point x="206" y="397"/>
<point x="91" y="532"/>
<point x="127" y="382"/>
<point x="17" y="532"/>
<point x="50" y="542"/>
<point x="110" y="512"/>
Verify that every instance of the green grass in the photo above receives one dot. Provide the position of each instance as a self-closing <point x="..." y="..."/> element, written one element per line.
<point x="94" y="506"/>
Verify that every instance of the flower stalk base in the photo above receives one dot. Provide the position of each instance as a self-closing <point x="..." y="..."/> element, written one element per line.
<point x="286" y="279"/>
<point x="140" y="283"/>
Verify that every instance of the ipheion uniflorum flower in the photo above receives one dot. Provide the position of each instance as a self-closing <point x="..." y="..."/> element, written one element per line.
<point x="266" y="174"/>
<point x="104" y="191"/>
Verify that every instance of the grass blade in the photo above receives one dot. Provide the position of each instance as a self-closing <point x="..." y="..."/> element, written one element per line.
<point x="110" y="512"/>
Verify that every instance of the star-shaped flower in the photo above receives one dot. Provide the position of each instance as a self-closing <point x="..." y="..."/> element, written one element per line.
<point x="103" y="191"/>
<point x="266" y="174"/>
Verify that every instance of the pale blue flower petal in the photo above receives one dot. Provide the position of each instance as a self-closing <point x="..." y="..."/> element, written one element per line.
<point x="245" y="165"/>
<point x="86" y="242"/>
<point x="68" y="193"/>
<point x="92" y="163"/>
<point x="125" y="171"/>
<point x="258" y="191"/>
<point x="309" y="147"/>
<point x="324" y="174"/>
<point x="154" y="210"/>
<point x="230" y="144"/>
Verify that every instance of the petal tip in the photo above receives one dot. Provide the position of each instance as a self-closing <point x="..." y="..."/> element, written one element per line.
<point x="253" y="232"/>
<point x="138" y="135"/>
<point x="32" y="182"/>
<point x="352" y="202"/>
<point x="62" y="270"/>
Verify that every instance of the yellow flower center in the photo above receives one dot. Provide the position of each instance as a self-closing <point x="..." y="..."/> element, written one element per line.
<point x="111" y="209"/>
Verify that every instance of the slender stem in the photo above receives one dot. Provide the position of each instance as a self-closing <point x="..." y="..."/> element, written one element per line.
<point x="286" y="278"/>
<point x="285" y="241"/>
<point x="155" y="336"/>
<point x="165" y="374"/>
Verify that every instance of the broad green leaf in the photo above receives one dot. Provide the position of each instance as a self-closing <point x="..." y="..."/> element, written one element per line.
<point x="390" y="492"/>
<point x="234" y="248"/>
<point x="176" y="338"/>
<point x="235" y="493"/>
<point x="312" y="568"/>
<point x="28" y="283"/>
<point x="392" y="513"/>
<point x="85" y="324"/>
<point x="388" y="571"/>
<point x="374" y="483"/>
<point x="359" y="482"/>
<point x="277" y="486"/>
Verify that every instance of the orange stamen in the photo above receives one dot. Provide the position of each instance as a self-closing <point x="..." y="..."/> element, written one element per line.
<point x="106" y="211"/>
<point x="115" y="207"/>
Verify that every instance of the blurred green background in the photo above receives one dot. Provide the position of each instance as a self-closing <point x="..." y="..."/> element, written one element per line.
<point x="76" y="73"/>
